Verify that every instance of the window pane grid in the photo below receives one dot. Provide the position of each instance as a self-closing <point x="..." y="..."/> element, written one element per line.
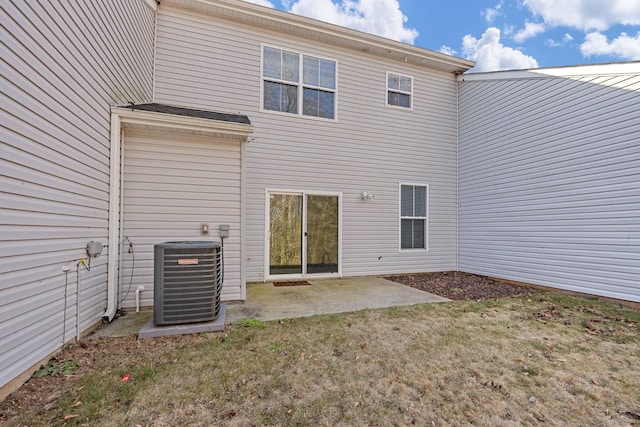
<point x="399" y="90"/>
<point x="413" y="216"/>
<point x="284" y="72"/>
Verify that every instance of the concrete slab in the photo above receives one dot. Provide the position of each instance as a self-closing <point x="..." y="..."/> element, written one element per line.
<point x="123" y="326"/>
<point x="151" y="330"/>
<point x="268" y="302"/>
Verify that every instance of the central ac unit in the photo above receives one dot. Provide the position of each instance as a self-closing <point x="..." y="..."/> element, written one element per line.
<point x="187" y="282"/>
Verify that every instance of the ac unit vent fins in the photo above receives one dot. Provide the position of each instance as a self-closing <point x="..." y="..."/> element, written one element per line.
<point x="187" y="282"/>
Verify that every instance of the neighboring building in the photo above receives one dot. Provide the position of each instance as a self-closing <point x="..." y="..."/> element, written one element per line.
<point x="328" y="152"/>
<point x="550" y="177"/>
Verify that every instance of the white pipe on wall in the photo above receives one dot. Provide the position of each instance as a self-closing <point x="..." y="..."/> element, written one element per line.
<point x="140" y="289"/>
<point x="78" y="301"/>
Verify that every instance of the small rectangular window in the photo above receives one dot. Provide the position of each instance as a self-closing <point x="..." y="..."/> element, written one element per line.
<point x="413" y="216"/>
<point x="284" y="90"/>
<point x="399" y="90"/>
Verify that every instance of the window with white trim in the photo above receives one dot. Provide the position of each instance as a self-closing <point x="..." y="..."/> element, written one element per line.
<point x="298" y="84"/>
<point x="399" y="90"/>
<point x="413" y="216"/>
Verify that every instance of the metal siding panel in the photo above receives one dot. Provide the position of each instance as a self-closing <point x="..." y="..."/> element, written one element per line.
<point x="202" y="186"/>
<point x="64" y="66"/>
<point x="550" y="182"/>
<point x="370" y="147"/>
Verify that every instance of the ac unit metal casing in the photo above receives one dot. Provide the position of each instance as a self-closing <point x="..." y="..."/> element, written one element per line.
<point x="187" y="282"/>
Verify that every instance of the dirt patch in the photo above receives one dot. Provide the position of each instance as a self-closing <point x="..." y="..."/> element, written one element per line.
<point x="460" y="286"/>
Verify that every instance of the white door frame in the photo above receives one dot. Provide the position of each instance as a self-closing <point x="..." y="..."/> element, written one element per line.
<point x="267" y="234"/>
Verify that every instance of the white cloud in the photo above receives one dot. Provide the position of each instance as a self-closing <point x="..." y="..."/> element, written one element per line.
<point x="491" y="55"/>
<point x="586" y="14"/>
<point x="491" y="13"/>
<point x="380" y="17"/>
<point x="624" y="46"/>
<point x="553" y="43"/>
<point x="261" y="2"/>
<point x="531" y="29"/>
<point x="448" y="51"/>
<point x="566" y="39"/>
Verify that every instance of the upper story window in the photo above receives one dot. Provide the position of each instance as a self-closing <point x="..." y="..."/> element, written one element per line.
<point x="413" y="216"/>
<point x="399" y="90"/>
<point x="298" y="84"/>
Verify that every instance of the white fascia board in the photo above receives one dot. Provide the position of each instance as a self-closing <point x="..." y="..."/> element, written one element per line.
<point x="171" y="121"/>
<point x="616" y="68"/>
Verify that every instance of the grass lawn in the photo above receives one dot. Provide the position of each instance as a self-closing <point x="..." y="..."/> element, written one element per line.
<point x="544" y="359"/>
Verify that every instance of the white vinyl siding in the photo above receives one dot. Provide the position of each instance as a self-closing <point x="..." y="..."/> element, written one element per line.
<point x="549" y="188"/>
<point x="64" y="64"/>
<point x="172" y="184"/>
<point x="371" y="148"/>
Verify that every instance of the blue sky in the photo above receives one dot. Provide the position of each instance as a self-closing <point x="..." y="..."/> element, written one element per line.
<point x="497" y="34"/>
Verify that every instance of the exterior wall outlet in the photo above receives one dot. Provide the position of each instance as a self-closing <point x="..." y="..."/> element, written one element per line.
<point x="204" y="228"/>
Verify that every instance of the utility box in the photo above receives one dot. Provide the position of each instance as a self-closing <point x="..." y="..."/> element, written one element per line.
<point x="187" y="282"/>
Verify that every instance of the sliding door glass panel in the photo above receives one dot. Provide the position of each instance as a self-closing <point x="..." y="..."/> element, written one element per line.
<point x="285" y="243"/>
<point x="322" y="234"/>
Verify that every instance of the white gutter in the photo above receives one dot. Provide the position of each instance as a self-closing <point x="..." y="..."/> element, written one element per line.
<point x="297" y="26"/>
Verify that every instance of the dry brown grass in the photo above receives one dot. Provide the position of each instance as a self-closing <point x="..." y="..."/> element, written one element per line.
<point x="539" y="360"/>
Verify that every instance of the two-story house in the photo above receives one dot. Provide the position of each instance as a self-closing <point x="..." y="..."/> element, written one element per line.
<point x="326" y="151"/>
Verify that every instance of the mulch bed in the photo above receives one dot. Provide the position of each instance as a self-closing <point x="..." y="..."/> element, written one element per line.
<point x="461" y="286"/>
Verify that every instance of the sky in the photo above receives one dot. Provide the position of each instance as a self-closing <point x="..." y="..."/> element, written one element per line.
<point x="496" y="34"/>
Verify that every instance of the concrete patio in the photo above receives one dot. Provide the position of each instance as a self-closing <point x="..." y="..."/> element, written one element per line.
<point x="268" y="302"/>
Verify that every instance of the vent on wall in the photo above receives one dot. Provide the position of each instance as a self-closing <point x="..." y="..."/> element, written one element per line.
<point x="187" y="282"/>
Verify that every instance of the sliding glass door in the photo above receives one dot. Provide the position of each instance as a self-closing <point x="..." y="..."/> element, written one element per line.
<point x="304" y="234"/>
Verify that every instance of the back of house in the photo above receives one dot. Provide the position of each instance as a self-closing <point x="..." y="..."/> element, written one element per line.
<point x="306" y="150"/>
<point x="350" y="168"/>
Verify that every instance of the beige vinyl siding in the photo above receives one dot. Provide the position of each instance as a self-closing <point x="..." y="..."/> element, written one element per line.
<point x="64" y="64"/>
<point x="173" y="184"/>
<point x="549" y="181"/>
<point x="369" y="147"/>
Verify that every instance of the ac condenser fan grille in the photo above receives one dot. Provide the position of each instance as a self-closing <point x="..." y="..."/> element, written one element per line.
<point x="187" y="282"/>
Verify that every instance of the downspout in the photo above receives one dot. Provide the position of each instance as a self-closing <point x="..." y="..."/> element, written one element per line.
<point x="155" y="53"/>
<point x="114" y="218"/>
<point x="457" y="173"/>
<point x="78" y="299"/>
<point x="113" y="264"/>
